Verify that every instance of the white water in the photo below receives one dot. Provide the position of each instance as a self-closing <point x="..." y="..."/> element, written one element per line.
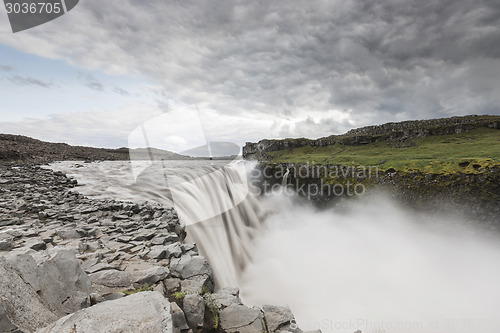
<point x="376" y="267"/>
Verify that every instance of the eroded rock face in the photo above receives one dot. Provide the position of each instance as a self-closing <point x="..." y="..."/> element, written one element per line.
<point x="145" y="312"/>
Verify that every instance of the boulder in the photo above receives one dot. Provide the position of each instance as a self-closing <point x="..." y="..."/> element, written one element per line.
<point x="144" y="312"/>
<point x="192" y="266"/>
<point x="64" y="286"/>
<point x="279" y="318"/>
<point x="194" y="309"/>
<point x="112" y="278"/>
<point x="151" y="275"/>
<point x="20" y="304"/>
<point x="242" y="319"/>
<point x="5" y="324"/>
<point x="178" y="318"/>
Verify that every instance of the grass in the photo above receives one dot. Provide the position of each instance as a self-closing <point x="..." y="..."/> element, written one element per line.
<point x="436" y="154"/>
<point x="145" y="287"/>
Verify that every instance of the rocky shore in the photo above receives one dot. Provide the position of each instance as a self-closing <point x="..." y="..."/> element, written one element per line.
<point x="74" y="264"/>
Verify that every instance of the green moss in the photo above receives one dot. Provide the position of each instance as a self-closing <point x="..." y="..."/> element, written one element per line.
<point x="212" y="307"/>
<point x="179" y="295"/>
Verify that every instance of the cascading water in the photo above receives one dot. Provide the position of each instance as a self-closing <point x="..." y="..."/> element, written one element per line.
<point x="221" y="215"/>
<point x="374" y="267"/>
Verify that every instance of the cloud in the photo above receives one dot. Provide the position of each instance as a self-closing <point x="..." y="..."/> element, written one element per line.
<point x="90" y="81"/>
<point x="375" y="61"/>
<point x="6" y="68"/>
<point x="96" y="128"/>
<point x="29" y="81"/>
<point x="121" y="91"/>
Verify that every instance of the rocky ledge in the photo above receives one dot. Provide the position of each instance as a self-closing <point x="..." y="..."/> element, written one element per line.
<point x="73" y="264"/>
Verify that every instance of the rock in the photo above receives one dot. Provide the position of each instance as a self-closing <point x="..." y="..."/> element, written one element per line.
<point x="145" y="312"/>
<point x="112" y="278"/>
<point x="279" y="318"/>
<point x="189" y="267"/>
<point x="69" y="234"/>
<point x="6" y="244"/>
<point x="173" y="250"/>
<point x="151" y="275"/>
<point x="172" y="285"/>
<point x="178" y="319"/>
<point x="157" y="252"/>
<point x="26" y="267"/>
<point x="95" y="298"/>
<point x="20" y="302"/>
<point x="241" y="319"/>
<point x="5" y="324"/>
<point x="64" y="286"/>
<point x="194" y="309"/>
<point x="114" y="296"/>
<point x="102" y="266"/>
<point x="197" y="284"/>
<point x="37" y="245"/>
<point x="224" y="299"/>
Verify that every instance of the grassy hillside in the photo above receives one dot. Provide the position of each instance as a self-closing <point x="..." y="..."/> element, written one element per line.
<point x="470" y="152"/>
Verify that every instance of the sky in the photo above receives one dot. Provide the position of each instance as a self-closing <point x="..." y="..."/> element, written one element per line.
<point x="184" y="71"/>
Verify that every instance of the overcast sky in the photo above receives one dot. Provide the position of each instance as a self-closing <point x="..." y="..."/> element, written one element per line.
<point x="253" y="69"/>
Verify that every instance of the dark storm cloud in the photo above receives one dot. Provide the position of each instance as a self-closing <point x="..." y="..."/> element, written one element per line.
<point x="28" y="81"/>
<point x="372" y="61"/>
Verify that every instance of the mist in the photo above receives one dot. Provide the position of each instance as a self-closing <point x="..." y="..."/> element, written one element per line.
<point x="375" y="267"/>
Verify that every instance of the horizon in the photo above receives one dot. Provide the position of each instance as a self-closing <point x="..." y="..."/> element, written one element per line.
<point x="283" y="138"/>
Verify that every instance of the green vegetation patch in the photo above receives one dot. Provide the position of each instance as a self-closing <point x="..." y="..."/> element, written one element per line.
<point x="470" y="152"/>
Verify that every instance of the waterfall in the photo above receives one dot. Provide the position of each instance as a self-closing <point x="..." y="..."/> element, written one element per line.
<point x="285" y="178"/>
<point x="221" y="214"/>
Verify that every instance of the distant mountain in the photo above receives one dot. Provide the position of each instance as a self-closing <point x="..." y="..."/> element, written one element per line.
<point x="155" y="154"/>
<point x="214" y="150"/>
<point x="25" y="149"/>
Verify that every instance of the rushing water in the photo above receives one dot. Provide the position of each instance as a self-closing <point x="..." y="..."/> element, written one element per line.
<point x="373" y="267"/>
